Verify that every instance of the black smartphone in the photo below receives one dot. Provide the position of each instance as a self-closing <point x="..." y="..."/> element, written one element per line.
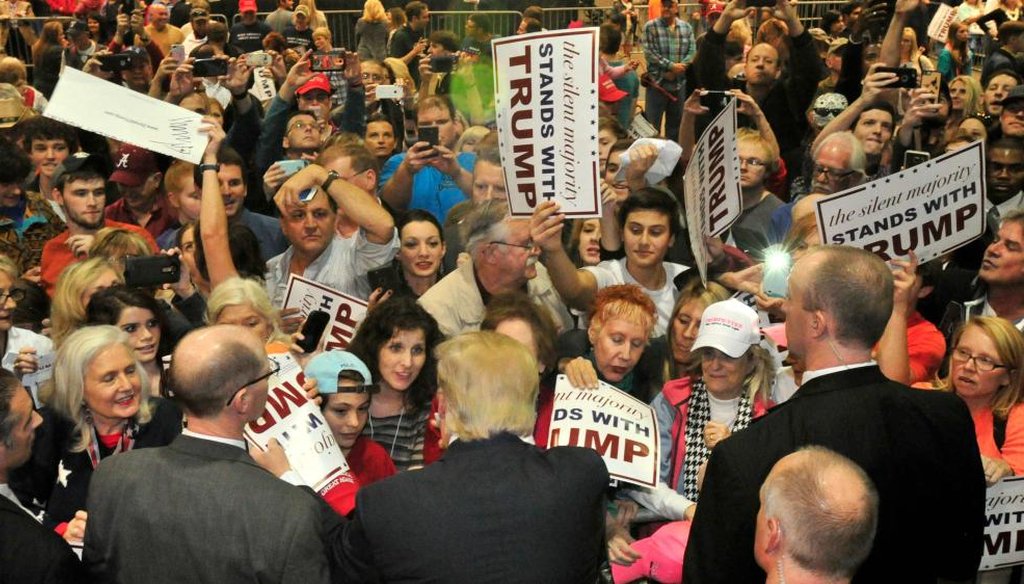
<point x="914" y="157"/>
<point x="443" y="64"/>
<point x="147" y="271"/>
<point x="715" y="101"/>
<point x="313" y="329"/>
<point x="332" y="60"/>
<point x="385" y="277"/>
<point x="118" y="62"/>
<point x="760" y="3"/>
<point x="428" y="134"/>
<point x="209" y="67"/>
<point x="906" y="77"/>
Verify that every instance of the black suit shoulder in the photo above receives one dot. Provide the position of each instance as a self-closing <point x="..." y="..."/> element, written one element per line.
<point x="30" y="553"/>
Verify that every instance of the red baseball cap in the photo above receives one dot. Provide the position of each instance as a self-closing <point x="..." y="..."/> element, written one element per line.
<point x="133" y="165"/>
<point x="607" y="91"/>
<point x="318" y="81"/>
<point x="247" y="5"/>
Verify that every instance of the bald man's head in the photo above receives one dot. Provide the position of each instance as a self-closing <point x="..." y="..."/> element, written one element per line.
<point x="212" y="363"/>
<point x="819" y="509"/>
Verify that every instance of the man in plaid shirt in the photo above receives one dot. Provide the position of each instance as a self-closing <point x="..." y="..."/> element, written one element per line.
<point x="669" y="47"/>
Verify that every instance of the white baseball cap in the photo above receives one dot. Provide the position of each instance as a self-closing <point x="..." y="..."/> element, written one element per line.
<point x="729" y="326"/>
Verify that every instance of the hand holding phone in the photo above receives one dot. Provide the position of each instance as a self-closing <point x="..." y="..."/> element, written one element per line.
<point x="313" y="330"/>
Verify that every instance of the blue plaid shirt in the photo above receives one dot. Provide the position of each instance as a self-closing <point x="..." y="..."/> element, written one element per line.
<point x="664" y="46"/>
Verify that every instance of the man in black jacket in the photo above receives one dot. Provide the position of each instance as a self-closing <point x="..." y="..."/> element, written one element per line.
<point x="918" y="447"/>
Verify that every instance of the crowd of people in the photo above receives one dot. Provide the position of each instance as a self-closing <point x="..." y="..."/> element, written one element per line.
<point x="842" y="428"/>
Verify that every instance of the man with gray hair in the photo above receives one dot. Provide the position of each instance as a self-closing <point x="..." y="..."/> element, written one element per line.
<point x="839" y="164"/>
<point x="817" y="519"/>
<point x="503" y="258"/>
<point x="917" y="446"/>
<point x="212" y="512"/>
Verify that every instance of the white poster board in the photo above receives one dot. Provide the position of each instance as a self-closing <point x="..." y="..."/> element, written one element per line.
<point x="621" y="428"/>
<point x="938" y="28"/>
<point x="33" y="381"/>
<point x="712" y="194"/>
<point x="546" y="101"/>
<point x="90" y="103"/>
<point x="300" y="428"/>
<point x="1004" y="524"/>
<point x="346" y="311"/>
<point x="931" y="209"/>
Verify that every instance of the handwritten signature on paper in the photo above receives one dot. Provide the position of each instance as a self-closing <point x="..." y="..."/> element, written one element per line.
<point x="181" y="132"/>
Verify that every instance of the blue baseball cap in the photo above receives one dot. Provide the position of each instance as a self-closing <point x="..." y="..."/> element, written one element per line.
<point x="327" y="366"/>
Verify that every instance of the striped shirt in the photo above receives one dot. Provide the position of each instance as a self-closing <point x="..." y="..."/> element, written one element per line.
<point x="400" y="436"/>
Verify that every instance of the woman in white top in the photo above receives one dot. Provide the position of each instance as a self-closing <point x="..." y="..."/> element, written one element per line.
<point x="22" y="348"/>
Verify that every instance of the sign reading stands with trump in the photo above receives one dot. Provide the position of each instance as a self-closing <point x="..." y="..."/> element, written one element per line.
<point x="931" y="209"/>
<point x="713" y="198"/>
<point x="621" y="428"/>
<point x="297" y="424"/>
<point x="1004" y="524"/>
<point x="346" y="311"/>
<point x="546" y="101"/>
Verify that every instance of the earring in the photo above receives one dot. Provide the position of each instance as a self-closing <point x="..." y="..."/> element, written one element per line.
<point x="86" y="414"/>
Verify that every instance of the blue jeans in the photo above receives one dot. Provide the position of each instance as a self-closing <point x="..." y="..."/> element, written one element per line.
<point x="658" y="106"/>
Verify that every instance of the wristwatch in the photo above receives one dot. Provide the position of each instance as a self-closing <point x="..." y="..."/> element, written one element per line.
<point x="331" y="177"/>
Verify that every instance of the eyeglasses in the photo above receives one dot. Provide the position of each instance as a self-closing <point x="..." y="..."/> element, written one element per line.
<point x="15" y="294"/>
<point x="825" y="111"/>
<point x="755" y="162"/>
<point x="981" y="363"/>
<point x="273" y="371"/>
<point x="529" y="245"/>
<point x="832" y="173"/>
<point x="304" y="125"/>
<point x="375" y="77"/>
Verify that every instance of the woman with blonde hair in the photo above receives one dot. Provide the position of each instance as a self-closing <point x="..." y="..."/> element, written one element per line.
<point x="910" y="53"/>
<point x="47" y="53"/>
<point x="965" y="96"/>
<point x="317" y="18"/>
<point x="114" y="245"/>
<point x="400" y="72"/>
<point x="986" y="369"/>
<point x="97" y="408"/>
<point x="75" y="287"/>
<point x="244" y="302"/>
<point x="372" y="32"/>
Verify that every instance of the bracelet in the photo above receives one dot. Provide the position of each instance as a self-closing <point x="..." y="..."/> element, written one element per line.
<point x="206" y="166"/>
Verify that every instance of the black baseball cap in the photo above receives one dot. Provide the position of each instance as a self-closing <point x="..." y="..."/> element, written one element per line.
<point x="78" y="161"/>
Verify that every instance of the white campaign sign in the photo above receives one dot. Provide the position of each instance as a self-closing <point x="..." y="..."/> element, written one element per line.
<point x="263" y="84"/>
<point x="33" y="381"/>
<point x="300" y="428"/>
<point x="621" y="428"/>
<point x="938" y="28"/>
<point x="1004" y="524"/>
<point x="546" y="99"/>
<point x="930" y="209"/>
<point x="711" y="184"/>
<point x="90" y="103"/>
<point x="346" y="311"/>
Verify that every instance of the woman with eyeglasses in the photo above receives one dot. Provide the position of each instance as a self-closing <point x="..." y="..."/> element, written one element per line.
<point x="985" y="371"/>
<point x="95" y="407"/>
<point x="21" y="348"/>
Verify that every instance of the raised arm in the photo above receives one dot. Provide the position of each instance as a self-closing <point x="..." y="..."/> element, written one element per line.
<point x="576" y="287"/>
<point x="213" y="219"/>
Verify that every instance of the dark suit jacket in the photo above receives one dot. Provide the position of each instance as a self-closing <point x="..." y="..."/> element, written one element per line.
<point x="917" y="446"/>
<point x="496" y="510"/>
<point x="200" y="511"/>
<point x="30" y="553"/>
